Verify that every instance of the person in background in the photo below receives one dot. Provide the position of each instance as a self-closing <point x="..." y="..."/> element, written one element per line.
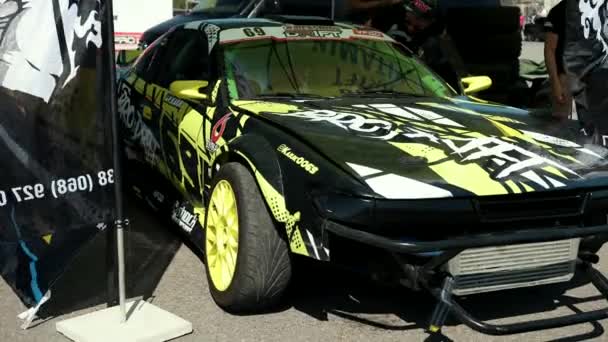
<point x="555" y="28"/>
<point x="419" y="25"/>
<point x="416" y="24"/>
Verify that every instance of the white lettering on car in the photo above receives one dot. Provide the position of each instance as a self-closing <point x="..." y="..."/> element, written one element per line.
<point x="511" y="160"/>
<point x="133" y="121"/>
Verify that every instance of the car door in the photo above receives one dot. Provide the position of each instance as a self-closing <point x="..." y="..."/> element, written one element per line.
<point x="180" y="120"/>
<point x="139" y="128"/>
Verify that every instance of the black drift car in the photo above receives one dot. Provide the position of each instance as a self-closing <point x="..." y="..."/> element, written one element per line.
<point x="334" y="142"/>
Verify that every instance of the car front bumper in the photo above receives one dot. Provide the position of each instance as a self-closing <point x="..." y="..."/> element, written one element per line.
<point x="433" y="277"/>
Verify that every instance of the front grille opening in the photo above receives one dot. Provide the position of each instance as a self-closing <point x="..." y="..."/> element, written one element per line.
<point x="530" y="207"/>
<point x="488" y="269"/>
<point x="503" y="280"/>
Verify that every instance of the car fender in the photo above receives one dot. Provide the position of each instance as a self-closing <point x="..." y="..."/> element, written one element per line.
<point x="257" y="154"/>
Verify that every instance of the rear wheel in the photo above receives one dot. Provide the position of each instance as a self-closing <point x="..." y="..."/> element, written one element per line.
<point x="248" y="263"/>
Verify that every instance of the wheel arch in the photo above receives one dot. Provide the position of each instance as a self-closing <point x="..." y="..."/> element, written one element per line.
<point x="256" y="154"/>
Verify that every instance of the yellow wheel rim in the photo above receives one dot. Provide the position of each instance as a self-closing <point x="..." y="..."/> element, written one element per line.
<point x="222" y="235"/>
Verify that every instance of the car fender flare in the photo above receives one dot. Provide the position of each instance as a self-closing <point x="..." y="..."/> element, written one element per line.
<point x="258" y="155"/>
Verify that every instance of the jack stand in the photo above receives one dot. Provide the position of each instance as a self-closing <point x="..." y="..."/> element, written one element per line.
<point x="440" y="314"/>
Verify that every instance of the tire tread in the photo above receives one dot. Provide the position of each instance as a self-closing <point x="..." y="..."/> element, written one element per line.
<point x="263" y="269"/>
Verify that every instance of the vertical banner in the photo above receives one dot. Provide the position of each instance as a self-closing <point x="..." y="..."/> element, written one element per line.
<point x="586" y="58"/>
<point x="56" y="173"/>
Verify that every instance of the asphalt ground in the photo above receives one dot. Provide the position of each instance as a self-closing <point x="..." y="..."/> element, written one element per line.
<point x="323" y="304"/>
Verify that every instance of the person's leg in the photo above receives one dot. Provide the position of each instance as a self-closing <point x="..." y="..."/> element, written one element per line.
<point x="563" y="111"/>
<point x="566" y="81"/>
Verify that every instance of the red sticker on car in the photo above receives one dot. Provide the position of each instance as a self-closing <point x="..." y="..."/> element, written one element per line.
<point x="218" y="129"/>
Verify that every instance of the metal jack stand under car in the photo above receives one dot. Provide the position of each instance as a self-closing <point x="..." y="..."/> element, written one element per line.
<point x="445" y="275"/>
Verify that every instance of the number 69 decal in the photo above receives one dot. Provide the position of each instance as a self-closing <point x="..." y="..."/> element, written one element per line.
<point x="252" y="32"/>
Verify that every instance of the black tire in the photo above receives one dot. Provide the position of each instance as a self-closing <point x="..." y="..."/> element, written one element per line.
<point x="264" y="266"/>
<point x="488" y="21"/>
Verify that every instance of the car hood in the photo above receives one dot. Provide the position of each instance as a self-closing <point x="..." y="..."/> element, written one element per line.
<point x="437" y="148"/>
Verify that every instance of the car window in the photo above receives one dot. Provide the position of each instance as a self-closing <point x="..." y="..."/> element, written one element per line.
<point x="148" y="61"/>
<point x="186" y="58"/>
<point x="326" y="68"/>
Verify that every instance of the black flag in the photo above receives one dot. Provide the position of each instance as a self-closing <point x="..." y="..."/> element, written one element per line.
<point x="56" y="173"/>
<point x="586" y="58"/>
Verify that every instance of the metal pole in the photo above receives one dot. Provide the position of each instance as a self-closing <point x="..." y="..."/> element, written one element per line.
<point x="333" y="10"/>
<point x="120" y="245"/>
<point x="112" y="111"/>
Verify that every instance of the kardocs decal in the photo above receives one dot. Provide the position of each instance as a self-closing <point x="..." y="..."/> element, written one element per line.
<point x="300" y="161"/>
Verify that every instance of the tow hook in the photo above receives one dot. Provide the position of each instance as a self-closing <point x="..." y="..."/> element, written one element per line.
<point x="443" y="307"/>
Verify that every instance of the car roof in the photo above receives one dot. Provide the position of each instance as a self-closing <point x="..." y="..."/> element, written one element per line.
<point x="231" y="23"/>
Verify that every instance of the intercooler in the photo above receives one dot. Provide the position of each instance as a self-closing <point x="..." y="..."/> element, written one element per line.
<point x="506" y="267"/>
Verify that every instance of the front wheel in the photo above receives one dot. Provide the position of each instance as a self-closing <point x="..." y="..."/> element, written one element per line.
<point x="248" y="263"/>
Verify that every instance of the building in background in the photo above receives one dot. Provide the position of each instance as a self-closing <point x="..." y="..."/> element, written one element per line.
<point x="130" y="22"/>
<point x="532" y="8"/>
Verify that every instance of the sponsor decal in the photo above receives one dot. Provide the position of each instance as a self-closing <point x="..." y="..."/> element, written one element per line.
<point x="299" y="32"/>
<point x="217" y="132"/>
<point x="412" y="128"/>
<point x="174" y="101"/>
<point x="305" y="31"/>
<point x="133" y="122"/>
<point x="185" y="219"/>
<point x="371" y="33"/>
<point x="300" y="161"/>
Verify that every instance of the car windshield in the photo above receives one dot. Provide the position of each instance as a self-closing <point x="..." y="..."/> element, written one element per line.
<point x="230" y="6"/>
<point x="327" y="68"/>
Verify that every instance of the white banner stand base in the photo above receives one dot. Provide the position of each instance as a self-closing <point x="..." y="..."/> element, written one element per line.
<point x="145" y="322"/>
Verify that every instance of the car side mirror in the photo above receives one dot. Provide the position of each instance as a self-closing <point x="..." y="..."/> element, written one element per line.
<point x="476" y="84"/>
<point x="189" y="90"/>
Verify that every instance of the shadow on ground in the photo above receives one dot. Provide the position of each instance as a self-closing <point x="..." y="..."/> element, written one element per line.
<point x="323" y="292"/>
<point x="318" y="290"/>
<point x="150" y="249"/>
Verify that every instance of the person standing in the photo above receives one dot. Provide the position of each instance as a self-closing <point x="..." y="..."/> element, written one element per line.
<point x="555" y="37"/>
<point x="586" y="59"/>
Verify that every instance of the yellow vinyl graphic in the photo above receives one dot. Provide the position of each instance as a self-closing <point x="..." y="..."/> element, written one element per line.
<point x="276" y="203"/>
<point x="258" y="107"/>
<point x="189" y="130"/>
<point x="140" y="85"/>
<point x="471" y="176"/>
<point x="47" y="238"/>
<point x="513" y="187"/>
<point x="484" y="164"/>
